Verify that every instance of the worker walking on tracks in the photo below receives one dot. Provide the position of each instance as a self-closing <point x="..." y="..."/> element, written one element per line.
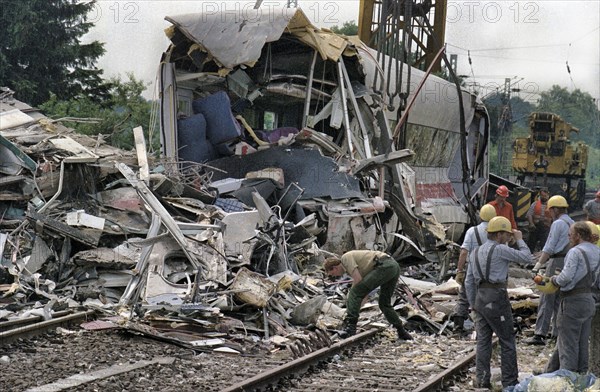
<point x="592" y="209"/>
<point x="503" y="207"/>
<point x="540" y="219"/>
<point x="577" y="305"/>
<point x="553" y="254"/>
<point x="474" y="237"/>
<point x="486" y="284"/>
<point x="369" y="270"/>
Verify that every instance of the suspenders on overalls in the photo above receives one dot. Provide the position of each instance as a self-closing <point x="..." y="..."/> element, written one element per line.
<point x="485" y="278"/>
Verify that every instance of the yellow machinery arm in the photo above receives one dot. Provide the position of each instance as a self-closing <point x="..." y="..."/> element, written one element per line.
<point x="429" y="37"/>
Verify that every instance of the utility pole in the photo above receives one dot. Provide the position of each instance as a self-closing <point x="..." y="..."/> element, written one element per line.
<point x="505" y="121"/>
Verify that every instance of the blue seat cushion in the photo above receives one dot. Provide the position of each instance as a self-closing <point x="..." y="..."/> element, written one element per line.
<point x="221" y="126"/>
<point x="192" y="141"/>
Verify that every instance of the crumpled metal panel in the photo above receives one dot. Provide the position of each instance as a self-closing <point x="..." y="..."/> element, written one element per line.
<point x="233" y="39"/>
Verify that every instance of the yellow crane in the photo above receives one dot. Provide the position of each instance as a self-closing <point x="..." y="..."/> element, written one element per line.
<point x="547" y="158"/>
<point x="391" y="24"/>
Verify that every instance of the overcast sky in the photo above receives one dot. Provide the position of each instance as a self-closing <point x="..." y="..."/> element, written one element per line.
<point x="528" y="41"/>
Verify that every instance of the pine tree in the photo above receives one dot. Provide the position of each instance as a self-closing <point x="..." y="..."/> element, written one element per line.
<point x="41" y="52"/>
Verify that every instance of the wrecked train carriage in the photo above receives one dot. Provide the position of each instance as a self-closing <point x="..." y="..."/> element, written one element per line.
<point x="261" y="67"/>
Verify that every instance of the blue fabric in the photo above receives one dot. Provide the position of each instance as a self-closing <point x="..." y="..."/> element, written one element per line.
<point x="192" y="142"/>
<point x="230" y="205"/>
<point x="221" y="126"/>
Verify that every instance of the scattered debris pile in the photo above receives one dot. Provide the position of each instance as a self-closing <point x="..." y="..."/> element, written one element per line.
<point x="195" y="258"/>
<point x="205" y="261"/>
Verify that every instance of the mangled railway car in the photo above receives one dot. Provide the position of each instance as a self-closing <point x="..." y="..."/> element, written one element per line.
<point x="297" y="122"/>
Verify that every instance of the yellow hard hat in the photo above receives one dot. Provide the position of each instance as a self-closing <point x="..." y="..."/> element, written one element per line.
<point x="594" y="228"/>
<point x="487" y="212"/>
<point x="499" y="223"/>
<point x="557" y="201"/>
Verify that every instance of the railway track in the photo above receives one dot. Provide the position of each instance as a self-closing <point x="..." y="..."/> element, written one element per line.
<point x="113" y="360"/>
<point x="28" y="327"/>
<point x="366" y="362"/>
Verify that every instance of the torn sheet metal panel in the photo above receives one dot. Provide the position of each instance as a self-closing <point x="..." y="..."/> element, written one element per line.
<point x="3" y="239"/>
<point x="210" y="245"/>
<point x="123" y="256"/>
<point x="12" y="159"/>
<point x="125" y="199"/>
<point x="352" y="226"/>
<point x="345" y="233"/>
<point x="167" y="271"/>
<point x="39" y="255"/>
<point x="145" y="193"/>
<point x="13" y="118"/>
<point x="170" y="273"/>
<point x="119" y="278"/>
<point x="229" y="39"/>
<point x="239" y="234"/>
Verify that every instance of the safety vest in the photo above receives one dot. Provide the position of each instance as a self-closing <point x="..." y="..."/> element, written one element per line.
<point x="537" y="212"/>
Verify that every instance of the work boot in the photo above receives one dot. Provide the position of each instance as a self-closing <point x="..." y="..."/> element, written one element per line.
<point x="535" y="340"/>
<point x="459" y="323"/>
<point x="348" y="329"/>
<point x="482" y="384"/>
<point x="402" y="334"/>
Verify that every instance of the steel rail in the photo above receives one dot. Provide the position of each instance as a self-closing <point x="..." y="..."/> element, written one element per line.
<point x="41" y="327"/>
<point x="11" y="324"/>
<point x="438" y="380"/>
<point x="299" y="365"/>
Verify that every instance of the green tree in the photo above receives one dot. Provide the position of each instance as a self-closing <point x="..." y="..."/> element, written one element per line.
<point x="348" y="28"/>
<point x="124" y="109"/>
<point x="41" y="52"/>
<point x="520" y="111"/>
<point x="576" y="107"/>
<point x="592" y="174"/>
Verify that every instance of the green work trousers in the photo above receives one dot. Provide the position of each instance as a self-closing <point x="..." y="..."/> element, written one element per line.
<point x="384" y="275"/>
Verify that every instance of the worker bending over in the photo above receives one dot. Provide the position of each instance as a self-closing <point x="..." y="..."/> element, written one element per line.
<point x="369" y="269"/>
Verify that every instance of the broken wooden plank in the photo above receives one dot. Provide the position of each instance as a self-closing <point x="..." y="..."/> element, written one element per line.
<point x="81" y="379"/>
<point x="81" y="153"/>
<point x="140" y="148"/>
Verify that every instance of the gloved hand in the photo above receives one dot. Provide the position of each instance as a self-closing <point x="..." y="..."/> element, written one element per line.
<point x="538" y="266"/>
<point x="460" y="278"/>
<point x="546" y="286"/>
